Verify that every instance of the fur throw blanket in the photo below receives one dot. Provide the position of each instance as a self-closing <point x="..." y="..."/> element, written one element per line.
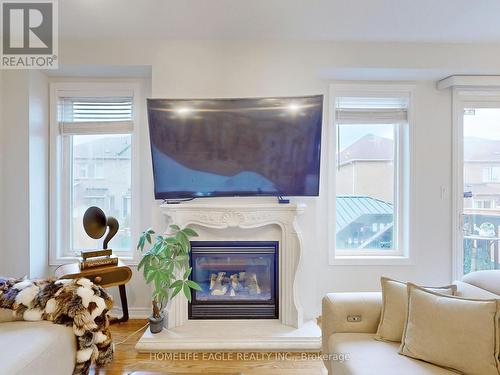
<point x="77" y="303"/>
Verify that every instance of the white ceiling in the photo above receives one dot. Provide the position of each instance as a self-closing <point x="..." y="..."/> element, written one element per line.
<point x="336" y="20"/>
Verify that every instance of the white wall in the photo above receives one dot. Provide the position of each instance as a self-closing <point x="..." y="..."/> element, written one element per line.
<point x="238" y="69"/>
<point x="15" y="210"/>
<point x="2" y="249"/>
<point x="24" y="150"/>
<point x="38" y="173"/>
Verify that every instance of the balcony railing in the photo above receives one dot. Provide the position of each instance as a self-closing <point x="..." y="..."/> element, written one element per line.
<point x="481" y="239"/>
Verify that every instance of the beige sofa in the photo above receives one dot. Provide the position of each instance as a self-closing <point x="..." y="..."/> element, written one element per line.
<point x="350" y="346"/>
<point x="35" y="348"/>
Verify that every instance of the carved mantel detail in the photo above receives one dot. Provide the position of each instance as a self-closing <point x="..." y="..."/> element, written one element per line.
<point x="223" y="217"/>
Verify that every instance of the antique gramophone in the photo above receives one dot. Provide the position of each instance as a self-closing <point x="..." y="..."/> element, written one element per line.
<point x="95" y="224"/>
<point x="100" y="266"/>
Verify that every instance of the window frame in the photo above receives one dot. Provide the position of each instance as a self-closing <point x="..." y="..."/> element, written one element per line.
<point x="60" y="169"/>
<point x="475" y="93"/>
<point x="401" y="255"/>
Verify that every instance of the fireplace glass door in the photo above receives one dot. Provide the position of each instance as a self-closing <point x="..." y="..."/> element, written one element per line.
<point x="239" y="280"/>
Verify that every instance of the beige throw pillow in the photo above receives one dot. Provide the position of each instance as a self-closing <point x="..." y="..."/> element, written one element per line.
<point x="394" y="308"/>
<point x="453" y="332"/>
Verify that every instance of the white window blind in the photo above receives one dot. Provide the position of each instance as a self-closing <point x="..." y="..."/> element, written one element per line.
<point x="99" y="115"/>
<point x="357" y="110"/>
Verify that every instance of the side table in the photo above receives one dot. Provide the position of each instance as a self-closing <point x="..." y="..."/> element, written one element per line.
<point x="106" y="276"/>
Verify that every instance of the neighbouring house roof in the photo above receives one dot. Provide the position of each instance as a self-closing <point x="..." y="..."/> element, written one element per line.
<point x="351" y="207"/>
<point x="375" y="148"/>
<point x="480" y="149"/>
<point x="368" y="148"/>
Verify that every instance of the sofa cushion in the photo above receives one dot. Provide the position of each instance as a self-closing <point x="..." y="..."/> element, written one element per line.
<point x="367" y="356"/>
<point x="394" y="306"/>
<point x="488" y="280"/>
<point x="37" y="348"/>
<point x="470" y="291"/>
<point x="453" y="332"/>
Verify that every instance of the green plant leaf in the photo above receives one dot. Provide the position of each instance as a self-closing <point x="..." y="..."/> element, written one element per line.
<point x="175" y="227"/>
<point x="140" y="244"/>
<point x="189" y="232"/>
<point x="166" y="258"/>
<point x="170" y="240"/>
<point x="159" y="282"/>
<point x="178" y="263"/>
<point x="187" y="273"/>
<point x="150" y="275"/>
<point x="164" y="274"/>
<point x="165" y="250"/>
<point x="170" y="268"/>
<point x="175" y="284"/>
<point x="176" y="291"/>
<point x="183" y="241"/>
<point x="156" y="249"/>
<point x="141" y="263"/>
<point x="187" y="292"/>
<point x="162" y="294"/>
<point x="193" y="285"/>
<point x="181" y="258"/>
<point x="147" y="265"/>
<point x="155" y="261"/>
<point x="152" y="250"/>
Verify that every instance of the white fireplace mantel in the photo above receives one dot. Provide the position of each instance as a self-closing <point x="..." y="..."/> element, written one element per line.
<point x="241" y="219"/>
<point x="224" y="216"/>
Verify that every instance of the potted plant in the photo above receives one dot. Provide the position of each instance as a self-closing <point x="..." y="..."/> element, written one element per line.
<point x="166" y="266"/>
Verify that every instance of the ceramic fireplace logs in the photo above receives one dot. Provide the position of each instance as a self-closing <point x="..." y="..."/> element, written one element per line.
<point x="242" y="282"/>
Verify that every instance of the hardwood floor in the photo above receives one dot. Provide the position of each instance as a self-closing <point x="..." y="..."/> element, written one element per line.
<point x="128" y="361"/>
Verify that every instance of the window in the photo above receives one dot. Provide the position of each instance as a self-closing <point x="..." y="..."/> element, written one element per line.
<point x="81" y="170"/>
<point x="491" y="174"/>
<point x="99" y="170"/>
<point x="371" y="159"/>
<point x="92" y="197"/>
<point x="483" y="203"/>
<point x="476" y="145"/>
<point x="127" y="204"/>
<point x="92" y="160"/>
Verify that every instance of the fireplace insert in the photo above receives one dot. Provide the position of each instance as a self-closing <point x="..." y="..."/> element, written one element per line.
<point x="239" y="280"/>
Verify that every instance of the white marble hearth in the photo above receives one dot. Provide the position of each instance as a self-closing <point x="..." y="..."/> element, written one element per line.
<point x="241" y="220"/>
<point x="234" y="335"/>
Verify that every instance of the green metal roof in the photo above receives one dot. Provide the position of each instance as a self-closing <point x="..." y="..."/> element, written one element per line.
<point x="351" y="207"/>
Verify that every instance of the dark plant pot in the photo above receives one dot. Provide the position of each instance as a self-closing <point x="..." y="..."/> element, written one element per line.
<point x="156" y="324"/>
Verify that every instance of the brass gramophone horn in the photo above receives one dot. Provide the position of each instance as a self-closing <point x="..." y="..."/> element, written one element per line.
<point x="95" y="224"/>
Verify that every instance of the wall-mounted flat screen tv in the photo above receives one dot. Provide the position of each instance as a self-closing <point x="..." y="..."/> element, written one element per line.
<point x="235" y="147"/>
